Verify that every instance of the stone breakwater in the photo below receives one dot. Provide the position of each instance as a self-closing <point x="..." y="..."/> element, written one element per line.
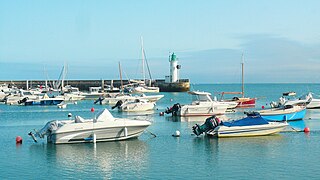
<point x="83" y="85"/>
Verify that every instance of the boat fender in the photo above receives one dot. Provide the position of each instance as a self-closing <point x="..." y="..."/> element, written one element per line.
<point x="18" y="140"/>
<point x="176" y="134"/>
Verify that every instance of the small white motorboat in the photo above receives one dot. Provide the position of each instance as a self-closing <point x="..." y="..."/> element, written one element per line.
<point x="249" y="126"/>
<point x="135" y="106"/>
<point x="114" y="98"/>
<point x="103" y="128"/>
<point x="202" y="105"/>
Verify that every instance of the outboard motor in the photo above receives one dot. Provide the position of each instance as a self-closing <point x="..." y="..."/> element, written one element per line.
<point x="99" y="100"/>
<point x="23" y="100"/>
<point x="118" y="104"/>
<point x="211" y="123"/>
<point x="174" y="109"/>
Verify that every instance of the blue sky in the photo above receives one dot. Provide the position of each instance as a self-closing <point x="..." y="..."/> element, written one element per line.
<point x="280" y="39"/>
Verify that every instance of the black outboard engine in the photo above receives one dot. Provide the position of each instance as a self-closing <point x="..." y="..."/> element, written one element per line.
<point x="118" y="104"/>
<point x="174" y="109"/>
<point x="23" y="100"/>
<point x="99" y="100"/>
<point x="211" y="123"/>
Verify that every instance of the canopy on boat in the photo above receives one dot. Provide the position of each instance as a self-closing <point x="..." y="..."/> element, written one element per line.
<point x="248" y="121"/>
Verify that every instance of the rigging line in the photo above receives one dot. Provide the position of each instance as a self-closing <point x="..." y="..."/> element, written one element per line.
<point x="145" y="57"/>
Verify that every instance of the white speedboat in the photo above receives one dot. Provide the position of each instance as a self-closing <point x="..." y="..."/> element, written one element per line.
<point x="20" y="97"/>
<point x="249" y="126"/>
<point x="43" y="101"/>
<point x="103" y="128"/>
<point x="127" y="97"/>
<point x="94" y="93"/>
<point x="202" y="105"/>
<point x="145" y="89"/>
<point x="309" y="100"/>
<point x="135" y="106"/>
<point x="314" y="103"/>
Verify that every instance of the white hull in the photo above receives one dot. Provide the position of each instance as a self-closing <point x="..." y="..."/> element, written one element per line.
<point x="140" y="89"/>
<point x="72" y="97"/>
<point x="114" y="100"/>
<point x="315" y="103"/>
<point x="231" y="105"/>
<point x="102" y="134"/>
<point x="255" y="130"/>
<point x="137" y="106"/>
<point x="202" y="109"/>
<point x="92" y="95"/>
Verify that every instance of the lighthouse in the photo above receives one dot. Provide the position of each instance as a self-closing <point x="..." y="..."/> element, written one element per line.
<point x="174" y="69"/>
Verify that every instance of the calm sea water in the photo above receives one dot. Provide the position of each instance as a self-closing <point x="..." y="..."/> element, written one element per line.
<point x="287" y="155"/>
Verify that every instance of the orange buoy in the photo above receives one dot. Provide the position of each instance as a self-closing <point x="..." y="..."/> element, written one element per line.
<point x="92" y="109"/>
<point x="18" y="140"/>
<point x="306" y="130"/>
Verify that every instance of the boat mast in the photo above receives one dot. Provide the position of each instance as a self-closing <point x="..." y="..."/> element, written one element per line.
<point x="242" y="70"/>
<point x="120" y="72"/>
<point x="142" y="52"/>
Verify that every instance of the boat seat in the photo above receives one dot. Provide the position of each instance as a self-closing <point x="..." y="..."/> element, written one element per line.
<point x="78" y="119"/>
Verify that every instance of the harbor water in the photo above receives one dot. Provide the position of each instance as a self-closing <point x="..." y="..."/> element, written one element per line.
<point x="287" y="155"/>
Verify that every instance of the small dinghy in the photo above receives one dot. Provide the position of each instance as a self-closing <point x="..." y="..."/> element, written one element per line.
<point x="249" y="126"/>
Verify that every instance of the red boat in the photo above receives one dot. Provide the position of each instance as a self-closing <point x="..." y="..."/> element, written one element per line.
<point x="242" y="101"/>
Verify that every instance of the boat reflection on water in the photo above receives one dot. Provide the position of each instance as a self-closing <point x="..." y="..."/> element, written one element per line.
<point x="105" y="158"/>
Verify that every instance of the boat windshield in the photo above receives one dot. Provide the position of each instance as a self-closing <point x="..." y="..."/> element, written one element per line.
<point x="201" y="98"/>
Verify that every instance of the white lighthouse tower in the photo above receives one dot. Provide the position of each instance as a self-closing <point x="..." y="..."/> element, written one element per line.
<point x="174" y="69"/>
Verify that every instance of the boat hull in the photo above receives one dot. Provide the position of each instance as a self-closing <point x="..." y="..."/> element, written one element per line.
<point x="280" y="114"/>
<point x="102" y="135"/>
<point x="245" y="131"/>
<point x="314" y="104"/>
<point x="246" y="102"/>
<point x="43" y="102"/>
<point x="195" y="110"/>
<point x="137" y="107"/>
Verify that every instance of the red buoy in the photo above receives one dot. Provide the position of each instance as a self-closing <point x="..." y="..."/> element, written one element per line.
<point x="161" y="113"/>
<point x="18" y="140"/>
<point x="262" y="107"/>
<point x="92" y="109"/>
<point x="306" y="130"/>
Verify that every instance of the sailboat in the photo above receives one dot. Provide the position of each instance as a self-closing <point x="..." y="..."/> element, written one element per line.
<point x="242" y="101"/>
<point x="142" y="87"/>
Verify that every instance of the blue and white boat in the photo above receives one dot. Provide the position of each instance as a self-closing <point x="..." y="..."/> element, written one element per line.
<point x="285" y="113"/>
<point x="249" y="126"/>
<point x="44" y="101"/>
